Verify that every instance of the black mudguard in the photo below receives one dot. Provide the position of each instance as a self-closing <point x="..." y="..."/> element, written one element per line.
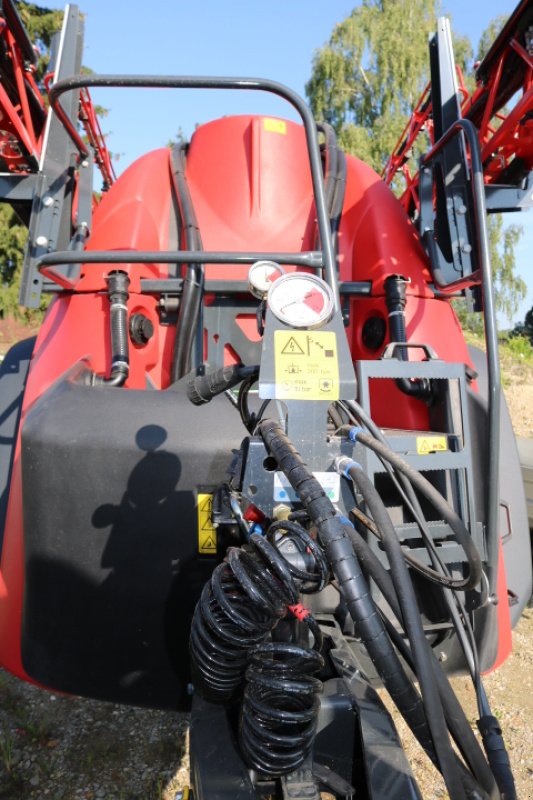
<point x="113" y="569"/>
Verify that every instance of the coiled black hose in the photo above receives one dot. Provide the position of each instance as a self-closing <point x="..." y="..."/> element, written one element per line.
<point x="244" y="600"/>
<point x="117" y="291"/>
<point x="280" y="707"/>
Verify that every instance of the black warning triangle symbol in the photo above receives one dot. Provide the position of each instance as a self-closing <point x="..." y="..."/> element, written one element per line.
<point x="207" y="505"/>
<point x="207" y="524"/>
<point x="292" y="348"/>
<point x="208" y="544"/>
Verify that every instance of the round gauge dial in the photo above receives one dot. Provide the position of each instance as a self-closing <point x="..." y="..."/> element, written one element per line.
<point x="301" y="300"/>
<point x="262" y="275"/>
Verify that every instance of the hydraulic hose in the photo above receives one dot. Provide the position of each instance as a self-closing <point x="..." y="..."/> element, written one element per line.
<point x="347" y="571"/>
<point x="455" y="716"/>
<point x="395" y="299"/>
<point x="202" y="388"/>
<point x="193" y="283"/>
<point x="434" y="497"/>
<point x="413" y="625"/>
<point x="117" y="290"/>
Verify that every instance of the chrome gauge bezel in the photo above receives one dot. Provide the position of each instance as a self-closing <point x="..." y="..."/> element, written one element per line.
<point x="258" y="284"/>
<point x="286" y="300"/>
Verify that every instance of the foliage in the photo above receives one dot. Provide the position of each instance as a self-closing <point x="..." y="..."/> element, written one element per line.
<point x="525" y="328"/>
<point x="41" y="24"/>
<point x="520" y="347"/>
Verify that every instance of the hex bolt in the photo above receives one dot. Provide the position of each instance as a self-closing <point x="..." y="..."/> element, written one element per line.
<point x="47" y="201"/>
<point x="41" y="241"/>
<point x="466" y="248"/>
<point x="461" y="209"/>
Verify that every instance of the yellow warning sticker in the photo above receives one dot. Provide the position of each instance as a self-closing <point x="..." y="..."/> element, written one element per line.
<point x="307" y="365"/>
<point x="207" y="535"/>
<point x="431" y="444"/>
<point x="274" y="125"/>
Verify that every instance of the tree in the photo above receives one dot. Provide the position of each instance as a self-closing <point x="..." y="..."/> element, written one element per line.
<point x="366" y="81"/>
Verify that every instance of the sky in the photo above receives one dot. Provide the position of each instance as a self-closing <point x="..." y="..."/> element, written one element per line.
<point x="272" y="39"/>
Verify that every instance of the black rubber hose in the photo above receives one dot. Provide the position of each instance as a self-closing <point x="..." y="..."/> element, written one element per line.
<point x="455" y="716"/>
<point x="202" y="388"/>
<point x="414" y="629"/>
<point x="117" y="290"/>
<point x="193" y="283"/>
<point x="395" y="300"/>
<point x="455" y="605"/>
<point x="435" y="498"/>
<point x="347" y="571"/>
<point x="491" y="733"/>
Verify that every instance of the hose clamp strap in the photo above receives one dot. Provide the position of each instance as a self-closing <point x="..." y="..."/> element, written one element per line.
<point x="354" y="432"/>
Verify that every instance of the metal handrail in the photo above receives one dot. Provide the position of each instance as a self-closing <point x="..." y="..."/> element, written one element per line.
<point x="194" y="82"/>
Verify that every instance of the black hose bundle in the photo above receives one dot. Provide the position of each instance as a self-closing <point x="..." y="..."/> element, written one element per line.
<point x="435" y="498"/>
<point x="347" y="572"/>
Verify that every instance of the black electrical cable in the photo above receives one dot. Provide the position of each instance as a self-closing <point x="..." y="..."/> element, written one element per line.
<point x="193" y="283"/>
<point x="415" y="631"/>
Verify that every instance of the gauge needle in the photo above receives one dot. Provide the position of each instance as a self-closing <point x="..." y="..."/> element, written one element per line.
<point x="299" y="300"/>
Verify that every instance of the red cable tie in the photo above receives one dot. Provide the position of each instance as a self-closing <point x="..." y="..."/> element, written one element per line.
<point x="299" y="611"/>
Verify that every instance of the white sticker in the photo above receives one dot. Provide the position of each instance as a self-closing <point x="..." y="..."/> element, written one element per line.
<point x="330" y="482"/>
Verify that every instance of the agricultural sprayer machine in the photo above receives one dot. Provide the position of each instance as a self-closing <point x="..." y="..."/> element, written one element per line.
<point x="249" y="465"/>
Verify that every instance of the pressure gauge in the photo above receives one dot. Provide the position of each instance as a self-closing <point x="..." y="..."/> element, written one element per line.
<point x="301" y="300"/>
<point x="262" y="275"/>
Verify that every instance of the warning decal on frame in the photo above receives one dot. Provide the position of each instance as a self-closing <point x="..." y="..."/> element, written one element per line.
<point x="307" y="365"/>
<point x="207" y="535"/>
<point x="431" y="444"/>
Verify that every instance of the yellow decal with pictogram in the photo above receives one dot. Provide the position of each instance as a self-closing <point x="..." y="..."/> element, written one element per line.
<point x="207" y="535"/>
<point x="431" y="444"/>
<point x="307" y="365"/>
